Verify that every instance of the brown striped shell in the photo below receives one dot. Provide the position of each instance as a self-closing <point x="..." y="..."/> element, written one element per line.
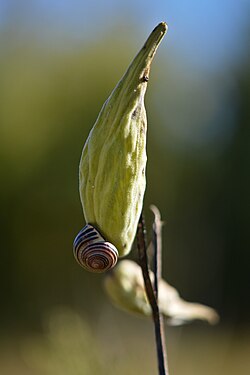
<point x="92" y="252"/>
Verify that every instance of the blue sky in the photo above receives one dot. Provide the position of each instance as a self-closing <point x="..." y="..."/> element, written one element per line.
<point x="208" y="33"/>
<point x="205" y="39"/>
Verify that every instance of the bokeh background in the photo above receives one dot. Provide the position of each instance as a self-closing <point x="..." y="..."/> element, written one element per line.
<point x="59" y="60"/>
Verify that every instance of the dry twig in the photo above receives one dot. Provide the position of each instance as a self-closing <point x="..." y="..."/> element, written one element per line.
<point x="151" y="293"/>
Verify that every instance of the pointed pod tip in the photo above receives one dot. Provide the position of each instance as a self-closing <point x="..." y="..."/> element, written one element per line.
<point x="155" y="37"/>
<point x="137" y="75"/>
<point x="161" y="27"/>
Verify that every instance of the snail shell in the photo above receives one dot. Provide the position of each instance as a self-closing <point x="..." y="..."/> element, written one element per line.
<point x="92" y="252"/>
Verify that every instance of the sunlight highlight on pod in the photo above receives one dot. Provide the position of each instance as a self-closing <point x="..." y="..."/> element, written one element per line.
<point x="92" y="252"/>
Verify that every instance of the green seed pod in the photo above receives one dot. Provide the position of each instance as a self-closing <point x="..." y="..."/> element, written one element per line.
<point x="112" y="167"/>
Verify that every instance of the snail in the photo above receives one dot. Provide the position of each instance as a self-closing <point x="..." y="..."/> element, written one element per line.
<point x="92" y="252"/>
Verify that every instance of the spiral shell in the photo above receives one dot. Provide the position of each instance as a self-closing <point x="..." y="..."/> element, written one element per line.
<point x="92" y="252"/>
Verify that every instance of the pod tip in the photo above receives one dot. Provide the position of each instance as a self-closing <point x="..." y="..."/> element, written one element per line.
<point x="162" y="26"/>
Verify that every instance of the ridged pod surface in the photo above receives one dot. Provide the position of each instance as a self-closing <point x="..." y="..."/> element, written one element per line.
<point x="112" y="167"/>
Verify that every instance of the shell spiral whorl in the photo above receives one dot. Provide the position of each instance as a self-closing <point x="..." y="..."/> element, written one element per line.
<point x="92" y="252"/>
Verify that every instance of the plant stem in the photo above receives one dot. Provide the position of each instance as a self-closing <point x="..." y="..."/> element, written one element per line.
<point x="157" y="317"/>
<point x="157" y="245"/>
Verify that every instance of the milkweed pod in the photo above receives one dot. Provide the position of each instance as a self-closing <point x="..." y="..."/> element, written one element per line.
<point x="125" y="287"/>
<point x="112" y="166"/>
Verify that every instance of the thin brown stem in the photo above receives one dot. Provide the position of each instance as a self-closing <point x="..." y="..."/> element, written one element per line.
<point x="157" y="317"/>
<point x="157" y="245"/>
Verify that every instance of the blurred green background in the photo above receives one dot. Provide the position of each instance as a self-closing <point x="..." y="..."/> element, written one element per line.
<point x="59" y="60"/>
